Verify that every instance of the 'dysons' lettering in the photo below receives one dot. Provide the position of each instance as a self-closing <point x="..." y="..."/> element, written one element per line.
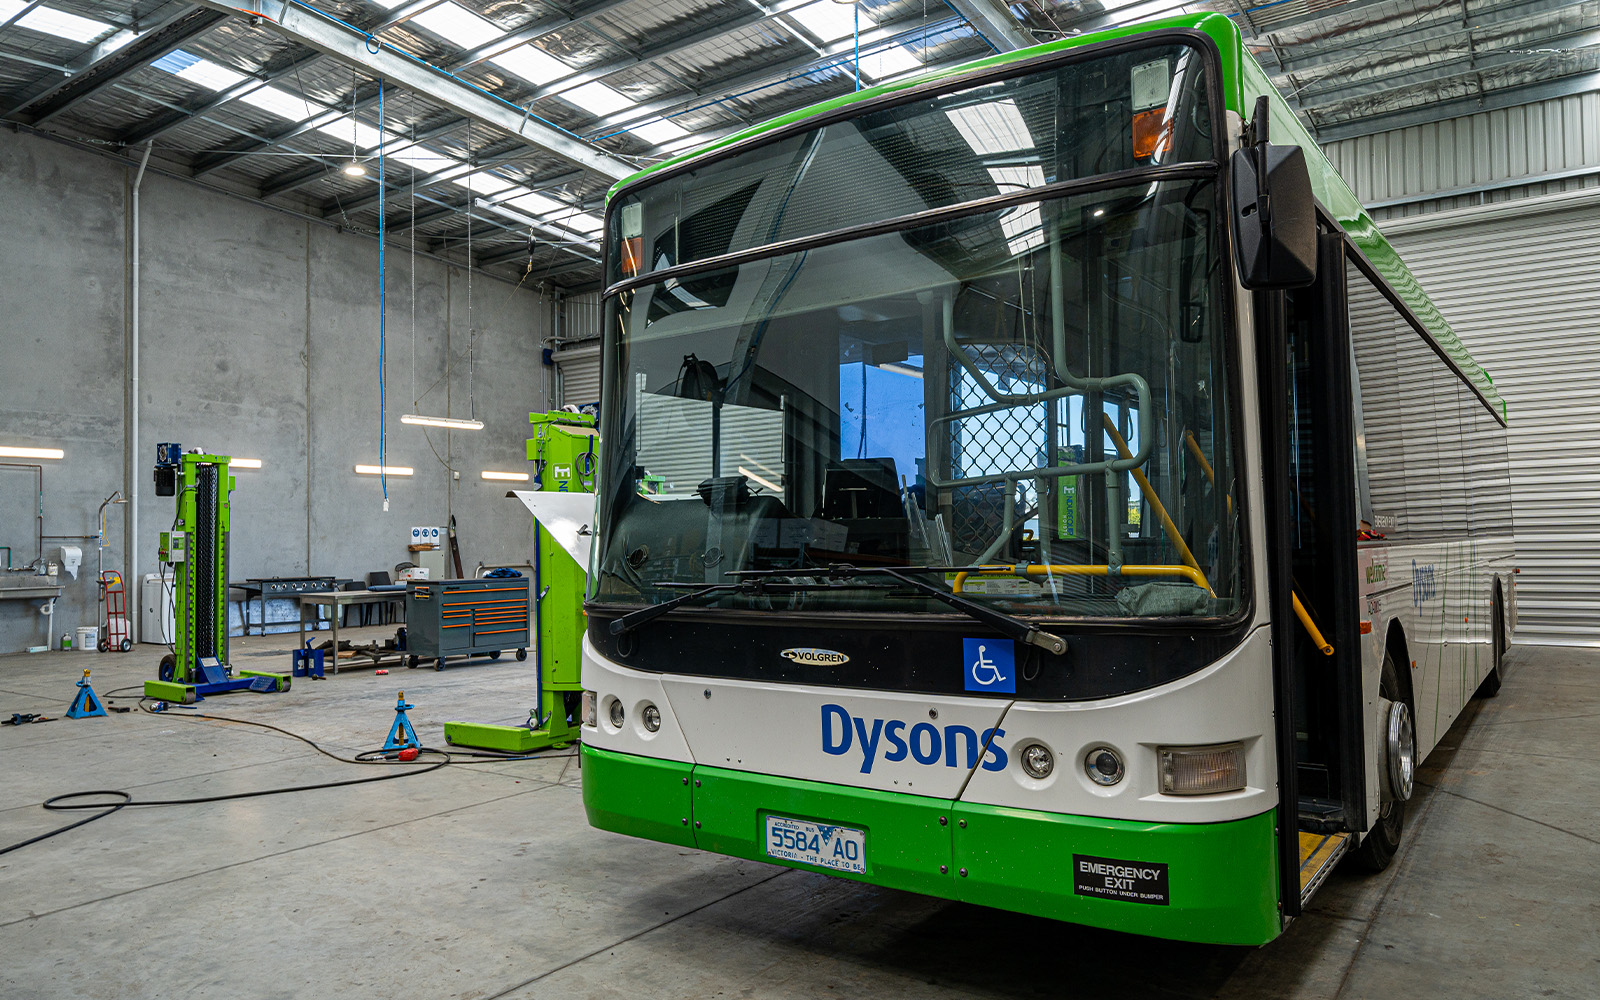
<point x="924" y="742"/>
<point x="1422" y="583"/>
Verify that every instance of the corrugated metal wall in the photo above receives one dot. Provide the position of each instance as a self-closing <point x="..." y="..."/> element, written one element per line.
<point x="1498" y="214"/>
<point x="1521" y="285"/>
<point x="1523" y="152"/>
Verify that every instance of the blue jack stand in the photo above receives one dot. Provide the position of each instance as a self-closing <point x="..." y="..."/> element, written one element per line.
<point x="306" y="663"/>
<point x="401" y="735"/>
<point x="87" y="705"/>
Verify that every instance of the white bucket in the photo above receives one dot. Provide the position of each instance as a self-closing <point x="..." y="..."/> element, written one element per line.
<point x="88" y="638"/>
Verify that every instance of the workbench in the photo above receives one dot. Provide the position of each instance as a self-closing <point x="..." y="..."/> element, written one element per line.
<point x="337" y="599"/>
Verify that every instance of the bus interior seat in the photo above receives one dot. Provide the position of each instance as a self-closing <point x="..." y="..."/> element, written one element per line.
<point x="862" y="495"/>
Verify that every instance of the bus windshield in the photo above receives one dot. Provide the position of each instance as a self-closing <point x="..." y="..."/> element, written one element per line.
<point x="1029" y="394"/>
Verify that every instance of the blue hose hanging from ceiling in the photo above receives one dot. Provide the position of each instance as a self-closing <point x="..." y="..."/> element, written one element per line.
<point x="382" y="455"/>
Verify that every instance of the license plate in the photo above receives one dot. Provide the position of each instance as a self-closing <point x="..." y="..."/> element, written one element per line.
<point x="840" y="848"/>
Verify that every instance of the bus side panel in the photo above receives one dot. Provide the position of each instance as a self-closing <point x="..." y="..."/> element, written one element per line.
<point x="638" y="796"/>
<point x="1214" y="883"/>
<point x="907" y="836"/>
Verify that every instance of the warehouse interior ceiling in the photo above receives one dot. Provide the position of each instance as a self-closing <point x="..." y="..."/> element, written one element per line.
<point x="498" y="125"/>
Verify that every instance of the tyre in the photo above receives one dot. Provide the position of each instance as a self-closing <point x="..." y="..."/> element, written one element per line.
<point x="494" y="655"/>
<point x="439" y="663"/>
<point x="1491" y="681"/>
<point x="1383" y="840"/>
<point x="168" y="668"/>
<point x="104" y="646"/>
<point x="522" y="654"/>
<point x="127" y="645"/>
<point x="411" y="662"/>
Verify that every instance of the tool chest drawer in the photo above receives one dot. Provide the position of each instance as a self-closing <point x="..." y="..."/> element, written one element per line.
<point x="452" y="617"/>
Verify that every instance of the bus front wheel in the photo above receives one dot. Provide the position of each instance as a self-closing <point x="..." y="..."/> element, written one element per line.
<point x="1383" y="840"/>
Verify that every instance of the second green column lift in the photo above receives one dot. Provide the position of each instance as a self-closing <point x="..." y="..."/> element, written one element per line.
<point x="564" y="450"/>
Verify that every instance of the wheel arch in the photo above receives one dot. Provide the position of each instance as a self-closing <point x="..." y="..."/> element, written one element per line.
<point x="1395" y="645"/>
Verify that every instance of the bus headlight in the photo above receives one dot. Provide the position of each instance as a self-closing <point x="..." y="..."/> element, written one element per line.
<point x="1037" y="760"/>
<point x="615" y="713"/>
<point x="651" y="717"/>
<point x="1206" y="770"/>
<point x="1103" y="766"/>
<point x="591" y="715"/>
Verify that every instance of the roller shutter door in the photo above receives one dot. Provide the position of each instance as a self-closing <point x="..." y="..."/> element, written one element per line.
<point x="1520" y="282"/>
<point x="579" y="367"/>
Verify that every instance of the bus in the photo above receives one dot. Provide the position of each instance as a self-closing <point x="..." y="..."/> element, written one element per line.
<point x="1038" y="485"/>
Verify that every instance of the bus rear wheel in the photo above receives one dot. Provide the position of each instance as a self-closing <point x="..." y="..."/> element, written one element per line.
<point x="1383" y="840"/>
<point x="1491" y="681"/>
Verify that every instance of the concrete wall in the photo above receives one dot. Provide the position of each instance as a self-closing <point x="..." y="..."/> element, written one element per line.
<point x="259" y="340"/>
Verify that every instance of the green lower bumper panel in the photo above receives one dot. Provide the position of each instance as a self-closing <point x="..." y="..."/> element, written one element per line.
<point x="1206" y="882"/>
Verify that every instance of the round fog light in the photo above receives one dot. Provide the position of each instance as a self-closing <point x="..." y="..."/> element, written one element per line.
<point x="651" y="717"/>
<point x="1037" y="760"/>
<point x="616" y="713"/>
<point x="1103" y="766"/>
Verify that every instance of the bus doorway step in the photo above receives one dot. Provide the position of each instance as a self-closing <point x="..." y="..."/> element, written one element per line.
<point x="1319" y="852"/>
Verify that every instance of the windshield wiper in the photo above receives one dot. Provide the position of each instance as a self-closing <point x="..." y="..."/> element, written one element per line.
<point x="1001" y="622"/>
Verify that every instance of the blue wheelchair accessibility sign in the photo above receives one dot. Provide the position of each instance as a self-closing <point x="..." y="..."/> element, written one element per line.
<point x="990" y="665"/>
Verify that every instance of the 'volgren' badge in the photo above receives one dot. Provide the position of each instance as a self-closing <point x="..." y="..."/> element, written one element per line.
<point x="815" y="657"/>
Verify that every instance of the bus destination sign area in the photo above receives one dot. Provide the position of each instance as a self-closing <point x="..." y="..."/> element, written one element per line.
<point x="1129" y="881"/>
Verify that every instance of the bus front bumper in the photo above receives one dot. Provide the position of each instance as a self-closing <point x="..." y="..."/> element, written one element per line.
<point x="1205" y="882"/>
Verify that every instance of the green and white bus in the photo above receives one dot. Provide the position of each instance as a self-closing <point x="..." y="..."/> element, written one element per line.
<point x="1040" y="485"/>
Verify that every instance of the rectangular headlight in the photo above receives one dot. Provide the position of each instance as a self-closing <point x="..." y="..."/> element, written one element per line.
<point x="1205" y="770"/>
<point x="591" y="714"/>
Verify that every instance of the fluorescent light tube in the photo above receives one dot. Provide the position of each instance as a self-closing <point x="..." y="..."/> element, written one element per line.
<point x="245" y="463"/>
<point x="510" y="477"/>
<point x="454" y="423"/>
<point x="387" y="470"/>
<point x="10" y="452"/>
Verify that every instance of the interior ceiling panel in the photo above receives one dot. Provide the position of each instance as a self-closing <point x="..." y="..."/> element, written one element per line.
<point x="699" y="67"/>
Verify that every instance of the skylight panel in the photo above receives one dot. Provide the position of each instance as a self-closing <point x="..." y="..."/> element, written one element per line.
<point x="583" y="222"/>
<point x="994" y="127"/>
<point x="1023" y="225"/>
<point x="597" y="99"/>
<point x="281" y="103"/>
<point x="50" y="21"/>
<point x="658" y="132"/>
<point x="205" y="73"/>
<point x="532" y="64"/>
<point x="452" y="21"/>
<point x="483" y="182"/>
<point x="829" y="21"/>
<point x="891" y="60"/>
<point x="537" y="204"/>
<point x="364" y="135"/>
<point x="425" y="160"/>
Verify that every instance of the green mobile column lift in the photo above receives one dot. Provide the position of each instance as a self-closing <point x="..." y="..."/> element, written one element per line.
<point x="564" y="450"/>
<point x="196" y="552"/>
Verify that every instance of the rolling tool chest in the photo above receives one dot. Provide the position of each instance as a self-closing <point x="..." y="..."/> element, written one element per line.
<point x="466" y="618"/>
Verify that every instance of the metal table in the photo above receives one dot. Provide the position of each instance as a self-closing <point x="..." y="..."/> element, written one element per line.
<point x="336" y="599"/>
<point x="259" y="589"/>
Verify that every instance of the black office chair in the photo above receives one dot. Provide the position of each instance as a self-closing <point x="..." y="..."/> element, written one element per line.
<point x="380" y="579"/>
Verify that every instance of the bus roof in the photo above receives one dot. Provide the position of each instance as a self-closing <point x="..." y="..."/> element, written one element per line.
<point x="1243" y="81"/>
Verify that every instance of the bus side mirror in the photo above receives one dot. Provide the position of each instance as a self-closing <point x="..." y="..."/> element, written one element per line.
<point x="1274" y="217"/>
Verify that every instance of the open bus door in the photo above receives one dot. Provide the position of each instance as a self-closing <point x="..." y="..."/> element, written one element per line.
<point x="1308" y="443"/>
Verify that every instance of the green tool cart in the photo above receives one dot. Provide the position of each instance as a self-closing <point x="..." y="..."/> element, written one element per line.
<point x="447" y="618"/>
<point x="564" y="450"/>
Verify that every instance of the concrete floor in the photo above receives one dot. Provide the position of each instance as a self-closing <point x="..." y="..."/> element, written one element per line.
<point x="483" y="880"/>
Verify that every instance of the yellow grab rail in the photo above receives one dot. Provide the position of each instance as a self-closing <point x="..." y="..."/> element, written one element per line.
<point x="1310" y="626"/>
<point x="1160" y="509"/>
<point x="1189" y="573"/>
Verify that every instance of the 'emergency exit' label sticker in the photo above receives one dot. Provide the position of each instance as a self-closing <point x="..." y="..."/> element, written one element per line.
<point x="1129" y="881"/>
